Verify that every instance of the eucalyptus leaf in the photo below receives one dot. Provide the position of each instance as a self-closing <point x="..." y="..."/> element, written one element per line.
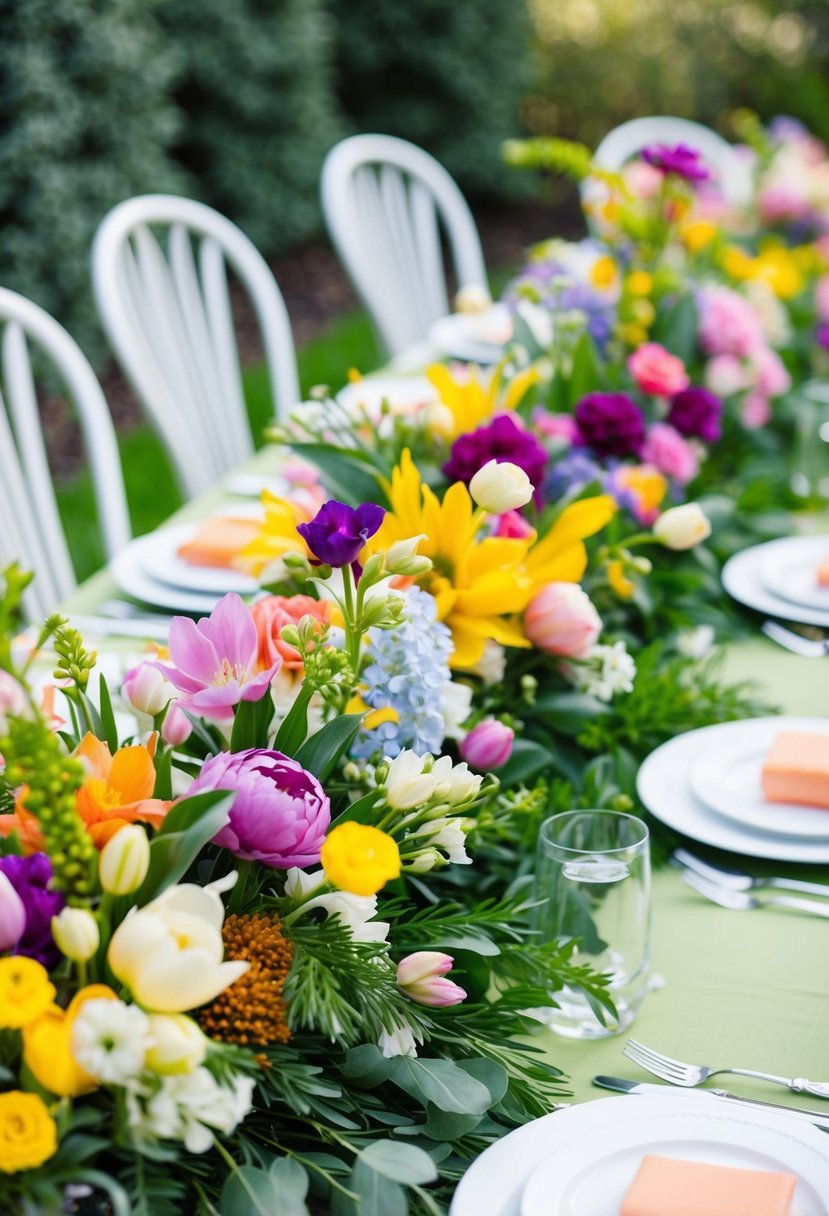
<point x="367" y="1063"/>
<point x="443" y="1125"/>
<point x="277" y="1191"/>
<point x="441" y="1082"/>
<point x="491" y="1074"/>
<point x="379" y="1195"/>
<point x="404" y="1163"/>
<point x="527" y="759"/>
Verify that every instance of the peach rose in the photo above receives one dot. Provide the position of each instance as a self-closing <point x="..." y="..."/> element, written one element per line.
<point x="657" y="371"/>
<point x="274" y="612"/>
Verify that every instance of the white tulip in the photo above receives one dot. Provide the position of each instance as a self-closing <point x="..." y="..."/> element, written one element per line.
<point x="124" y="860"/>
<point x="682" y="527"/>
<point x="501" y="486"/>
<point x="177" y="1044"/>
<point x="76" y="934"/>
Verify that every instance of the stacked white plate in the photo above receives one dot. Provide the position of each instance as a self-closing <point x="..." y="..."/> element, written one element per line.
<point x="473" y="337"/>
<point x="149" y="569"/>
<point x="706" y="785"/>
<point x="779" y="578"/>
<point x="582" y="1160"/>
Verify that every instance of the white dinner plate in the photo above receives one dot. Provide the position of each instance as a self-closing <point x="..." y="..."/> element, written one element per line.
<point x="592" y="1176"/>
<point x="129" y="571"/>
<point x="727" y="777"/>
<point x="476" y="338"/>
<point x="743" y="579"/>
<point x="663" y="784"/>
<point x="493" y="1185"/>
<point x="161" y="562"/>
<point x="790" y="571"/>
<point x="405" y="394"/>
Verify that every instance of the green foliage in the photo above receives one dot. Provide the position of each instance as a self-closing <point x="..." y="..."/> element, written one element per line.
<point x="84" y="89"/>
<point x="446" y="76"/>
<point x="255" y="88"/>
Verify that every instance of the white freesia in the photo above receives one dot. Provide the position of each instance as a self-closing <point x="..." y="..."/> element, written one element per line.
<point x="356" y="912"/>
<point x="401" y="1041"/>
<point x="501" y="486"/>
<point x="446" y="840"/>
<point x="682" y="527"/>
<point x="177" y="1044"/>
<point x="491" y="665"/>
<point x="456" y="705"/>
<point x="456" y="782"/>
<point x="110" y="1040"/>
<point x="406" y="783"/>
<point x="696" y="643"/>
<point x="190" y="1108"/>
<point x="607" y="671"/>
<point x="76" y="934"/>
<point x="169" y="953"/>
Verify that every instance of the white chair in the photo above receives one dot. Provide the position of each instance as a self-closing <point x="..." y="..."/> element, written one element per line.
<point x="384" y="202"/>
<point x="169" y="322"/>
<point x="30" y="527"/>
<point x="627" y="140"/>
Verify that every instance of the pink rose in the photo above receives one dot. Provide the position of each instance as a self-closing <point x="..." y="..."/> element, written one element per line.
<point x="561" y="619"/>
<point x="657" y="371"/>
<point x="783" y="201"/>
<point x="642" y="179"/>
<point x="271" y="614"/>
<point x="670" y="453"/>
<point x="728" y="324"/>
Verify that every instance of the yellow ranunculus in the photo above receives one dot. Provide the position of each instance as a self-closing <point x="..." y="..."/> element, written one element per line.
<point x="28" y="1133"/>
<point x="25" y="991"/>
<point x="46" y="1045"/>
<point x="618" y="580"/>
<point x="360" y="859"/>
<point x="696" y="234"/>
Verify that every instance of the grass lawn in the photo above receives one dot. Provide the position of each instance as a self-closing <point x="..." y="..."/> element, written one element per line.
<point x="151" y="486"/>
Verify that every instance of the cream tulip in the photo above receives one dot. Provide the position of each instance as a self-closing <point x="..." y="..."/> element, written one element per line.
<point x="501" y="486"/>
<point x="76" y="934"/>
<point x="125" y="860"/>
<point x="169" y="953"/>
<point x="682" y="527"/>
<point x="177" y="1045"/>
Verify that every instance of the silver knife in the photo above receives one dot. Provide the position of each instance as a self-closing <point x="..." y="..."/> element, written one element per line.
<point x="622" y="1086"/>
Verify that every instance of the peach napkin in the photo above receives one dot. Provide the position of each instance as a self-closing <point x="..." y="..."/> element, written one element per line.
<point x="823" y="573"/>
<point x="219" y="541"/>
<point x="797" y="769"/>
<point x="665" y="1187"/>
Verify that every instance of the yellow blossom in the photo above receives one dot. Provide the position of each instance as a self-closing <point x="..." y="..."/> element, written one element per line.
<point x="46" y="1045"/>
<point x="619" y="582"/>
<point x="737" y="264"/>
<point x="604" y="272"/>
<point x="278" y="535"/>
<point x="633" y="335"/>
<point x="472" y="399"/>
<point x="643" y="312"/>
<point x="28" y="1133"/>
<point x="647" y="485"/>
<point x="696" y="234"/>
<point x="25" y="991"/>
<point x="778" y="268"/>
<point x="373" y="717"/>
<point x="360" y="859"/>
<point x="639" y="283"/>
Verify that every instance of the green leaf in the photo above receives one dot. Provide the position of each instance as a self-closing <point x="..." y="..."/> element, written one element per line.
<point x="320" y="753"/>
<point x="491" y="1074"/>
<point x="527" y="759"/>
<point x="91" y="716"/>
<point x="441" y="1125"/>
<point x="676" y="327"/>
<point x="404" y="1163"/>
<point x="107" y="716"/>
<point x="586" y="374"/>
<point x="347" y="476"/>
<point x="378" y="1195"/>
<point x="163" y="774"/>
<point x="366" y="1063"/>
<point x="466" y="941"/>
<point x="278" y="1191"/>
<point x="441" y="1082"/>
<point x="186" y="829"/>
<point x="294" y="726"/>
<point x="250" y="724"/>
<point x="361" y="811"/>
<point x="568" y="712"/>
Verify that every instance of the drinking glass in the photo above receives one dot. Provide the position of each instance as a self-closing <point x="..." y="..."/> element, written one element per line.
<point x="810" y="474"/>
<point x="593" y="883"/>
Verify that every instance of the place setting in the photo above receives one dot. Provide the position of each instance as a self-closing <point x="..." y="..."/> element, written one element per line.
<point x="787" y="578"/>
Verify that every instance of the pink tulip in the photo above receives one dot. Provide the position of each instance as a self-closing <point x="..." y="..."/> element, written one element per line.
<point x="561" y="619"/>
<point x="215" y="661"/>
<point x="657" y="371"/>
<point x="488" y="745"/>
<point x="12" y="915"/>
<point x="420" y="976"/>
<point x="670" y="453"/>
<point x="146" y="689"/>
<point x="176" y="727"/>
<point x="513" y="526"/>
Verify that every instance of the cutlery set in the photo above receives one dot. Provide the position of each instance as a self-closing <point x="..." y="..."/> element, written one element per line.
<point x="742" y="892"/>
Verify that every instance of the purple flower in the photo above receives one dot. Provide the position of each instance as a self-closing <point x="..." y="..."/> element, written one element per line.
<point x="822" y="336"/>
<point x="280" y="813"/>
<point x="215" y="661"/>
<point x="30" y="877"/>
<point x="684" y="161"/>
<point x="696" y="412"/>
<point x="611" y="424"/>
<point x="503" y="439"/>
<point x="337" y="533"/>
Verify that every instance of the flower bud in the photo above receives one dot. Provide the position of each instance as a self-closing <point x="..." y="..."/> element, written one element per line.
<point x="76" y="934"/>
<point x="561" y="619"/>
<point x="373" y="569"/>
<point x="176" y="727"/>
<point x="472" y="299"/>
<point x="501" y="486"/>
<point x="420" y="976"/>
<point x="488" y="745"/>
<point x="146" y="690"/>
<point x="682" y="527"/>
<point x="124" y="860"/>
<point x="178" y="1045"/>
<point x="12" y="915"/>
<point x="407" y="785"/>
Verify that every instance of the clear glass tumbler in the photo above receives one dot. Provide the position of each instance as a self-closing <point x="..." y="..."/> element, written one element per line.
<point x="593" y="883"/>
<point x="810" y="471"/>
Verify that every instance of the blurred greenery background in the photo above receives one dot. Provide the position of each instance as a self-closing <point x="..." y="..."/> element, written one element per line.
<point x="236" y="102"/>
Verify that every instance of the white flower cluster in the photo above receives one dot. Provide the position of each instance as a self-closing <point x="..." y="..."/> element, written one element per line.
<point x="356" y="912"/>
<point x="606" y="671"/>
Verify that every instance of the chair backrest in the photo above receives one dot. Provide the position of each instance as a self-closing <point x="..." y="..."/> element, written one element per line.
<point x="384" y="201"/>
<point x="30" y="526"/>
<point x="626" y="141"/>
<point x="168" y="319"/>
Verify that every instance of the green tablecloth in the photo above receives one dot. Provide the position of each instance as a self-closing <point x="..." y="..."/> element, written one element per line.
<point x="748" y="989"/>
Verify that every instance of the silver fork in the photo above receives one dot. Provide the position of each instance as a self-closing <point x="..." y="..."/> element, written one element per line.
<point x="690" y="1075"/>
<point x="741" y="880"/>
<point x="795" y="642"/>
<point x="741" y="901"/>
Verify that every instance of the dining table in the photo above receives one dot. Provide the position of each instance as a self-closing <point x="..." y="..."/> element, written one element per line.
<point x="748" y="989"/>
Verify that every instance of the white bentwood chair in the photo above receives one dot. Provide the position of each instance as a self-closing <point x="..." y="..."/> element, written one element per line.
<point x="31" y="532"/>
<point x="169" y="322"/>
<point x="626" y="141"/>
<point x="385" y="201"/>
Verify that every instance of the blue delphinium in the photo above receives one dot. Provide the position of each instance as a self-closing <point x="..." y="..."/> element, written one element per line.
<point x="409" y="672"/>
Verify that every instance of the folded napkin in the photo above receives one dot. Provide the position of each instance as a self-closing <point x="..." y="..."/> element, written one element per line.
<point x="823" y="573"/>
<point x="665" y="1187"/>
<point x="219" y="541"/>
<point x="797" y="769"/>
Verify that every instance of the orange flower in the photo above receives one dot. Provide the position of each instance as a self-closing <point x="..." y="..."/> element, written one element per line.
<point x="24" y="823"/>
<point x="118" y="788"/>
<point x="274" y="612"/>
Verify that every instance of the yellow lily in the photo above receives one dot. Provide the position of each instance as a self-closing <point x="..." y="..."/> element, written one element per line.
<point x="471" y="400"/>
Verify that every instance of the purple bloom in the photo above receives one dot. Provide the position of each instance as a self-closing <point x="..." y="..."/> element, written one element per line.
<point x="503" y="439"/>
<point x="280" y="813"/>
<point x="30" y="877"/>
<point x="696" y="412"/>
<point x="215" y="661"/>
<point x="822" y="336"/>
<point x="611" y="424"/>
<point x="684" y="161"/>
<point x="572" y="472"/>
<point x="337" y="533"/>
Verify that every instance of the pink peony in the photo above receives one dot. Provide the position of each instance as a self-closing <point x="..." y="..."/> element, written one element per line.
<point x="782" y="201"/>
<point x="642" y="179"/>
<point x="725" y="375"/>
<point x="556" y="426"/>
<point x="771" y="376"/>
<point x="755" y="411"/>
<point x="657" y="371"/>
<point x="670" y="453"/>
<point x="561" y="619"/>
<point x="728" y="324"/>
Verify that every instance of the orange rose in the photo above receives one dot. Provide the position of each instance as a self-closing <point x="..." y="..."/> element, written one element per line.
<point x="272" y="614"/>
